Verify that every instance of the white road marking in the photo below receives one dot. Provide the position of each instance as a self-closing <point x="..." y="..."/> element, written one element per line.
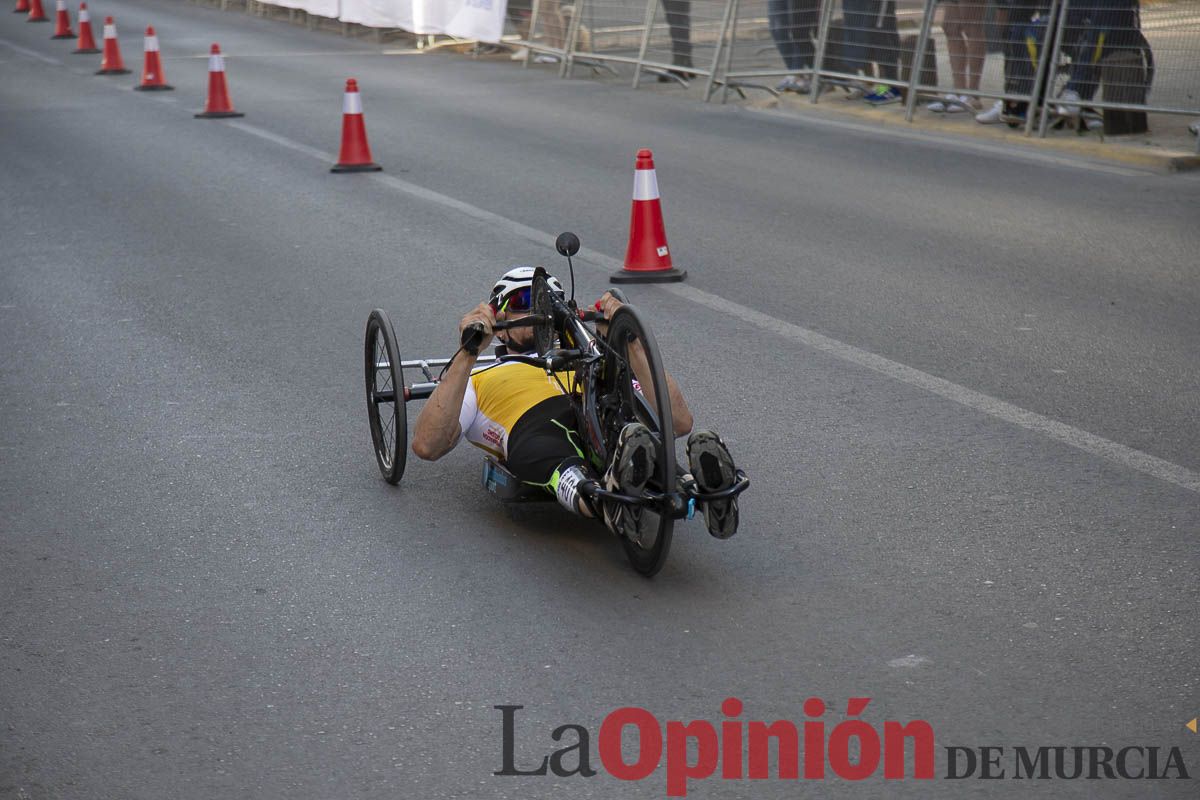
<point x="254" y="130"/>
<point x="1058" y="431"/>
<point x="31" y="53"/>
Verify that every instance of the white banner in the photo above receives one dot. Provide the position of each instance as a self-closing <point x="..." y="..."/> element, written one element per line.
<point x="465" y="19"/>
<point x="381" y="14"/>
<point x="319" y="8"/>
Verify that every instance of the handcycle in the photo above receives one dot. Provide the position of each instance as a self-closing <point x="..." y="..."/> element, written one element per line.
<point x="603" y="388"/>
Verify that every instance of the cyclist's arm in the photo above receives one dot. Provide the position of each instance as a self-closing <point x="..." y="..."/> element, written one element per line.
<point x="681" y="415"/>
<point x="438" y="428"/>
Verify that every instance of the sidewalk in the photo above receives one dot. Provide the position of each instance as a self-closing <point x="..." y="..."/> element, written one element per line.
<point x="1168" y="147"/>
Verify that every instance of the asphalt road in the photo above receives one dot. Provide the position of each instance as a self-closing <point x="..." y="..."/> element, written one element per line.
<point x="207" y="591"/>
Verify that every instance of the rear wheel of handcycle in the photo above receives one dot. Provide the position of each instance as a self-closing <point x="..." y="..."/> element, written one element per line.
<point x="629" y="401"/>
<point x="384" y="379"/>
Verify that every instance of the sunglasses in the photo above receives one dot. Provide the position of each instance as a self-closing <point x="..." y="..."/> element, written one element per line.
<point x="516" y="300"/>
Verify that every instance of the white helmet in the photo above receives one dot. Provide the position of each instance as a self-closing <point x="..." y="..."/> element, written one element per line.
<point x="513" y="281"/>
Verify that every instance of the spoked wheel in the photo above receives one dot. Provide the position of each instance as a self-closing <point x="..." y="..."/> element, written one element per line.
<point x="628" y="401"/>
<point x="385" y="396"/>
<point x="540" y="305"/>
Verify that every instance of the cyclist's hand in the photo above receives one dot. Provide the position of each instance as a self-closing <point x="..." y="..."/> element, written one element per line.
<point x="484" y="316"/>
<point x="606" y="305"/>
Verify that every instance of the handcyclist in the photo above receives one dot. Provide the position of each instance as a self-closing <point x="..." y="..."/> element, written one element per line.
<point x="523" y="416"/>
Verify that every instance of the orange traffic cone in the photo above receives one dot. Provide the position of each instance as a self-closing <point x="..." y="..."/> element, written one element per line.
<point x="356" y="154"/>
<point x="22" y="7"/>
<point x="36" y="14"/>
<point x="87" y="42"/>
<point x="62" y="21"/>
<point x="648" y="259"/>
<point x="152" y="71"/>
<point x="218" y="104"/>
<point x="110" y="62"/>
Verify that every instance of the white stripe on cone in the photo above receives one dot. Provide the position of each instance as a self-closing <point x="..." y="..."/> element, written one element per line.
<point x="110" y="31"/>
<point x="645" y="185"/>
<point x="61" y="5"/>
<point x="84" y="16"/>
<point x="352" y="103"/>
<point x="216" y="63"/>
<point x="152" y="44"/>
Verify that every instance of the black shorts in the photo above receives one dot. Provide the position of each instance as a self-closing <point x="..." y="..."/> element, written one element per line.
<point x="543" y="439"/>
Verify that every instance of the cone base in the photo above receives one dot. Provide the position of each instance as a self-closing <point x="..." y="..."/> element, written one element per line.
<point x="154" y="87"/>
<point x="113" y="71"/>
<point x="372" y="167"/>
<point x="649" y="276"/>
<point x="63" y="36"/>
<point x="86" y="50"/>
<point x="218" y="114"/>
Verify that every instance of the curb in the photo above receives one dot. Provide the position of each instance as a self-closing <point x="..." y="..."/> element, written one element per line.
<point x="1112" y="150"/>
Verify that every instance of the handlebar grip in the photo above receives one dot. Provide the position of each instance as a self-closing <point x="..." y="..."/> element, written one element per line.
<point x="472" y="337"/>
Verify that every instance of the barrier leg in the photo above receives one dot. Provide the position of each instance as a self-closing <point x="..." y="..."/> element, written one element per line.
<point x="918" y="63"/>
<point x="730" y="10"/>
<point x="1049" y="56"/>
<point x="647" y="24"/>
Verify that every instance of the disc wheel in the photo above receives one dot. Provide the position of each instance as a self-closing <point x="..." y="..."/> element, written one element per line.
<point x="540" y="305"/>
<point x="626" y="400"/>
<point x="385" y="396"/>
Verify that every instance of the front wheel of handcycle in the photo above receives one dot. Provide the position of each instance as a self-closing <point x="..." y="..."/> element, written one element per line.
<point x="384" y="379"/>
<point x="626" y="400"/>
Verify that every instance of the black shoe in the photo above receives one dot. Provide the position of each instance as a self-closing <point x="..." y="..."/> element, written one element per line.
<point x="713" y="469"/>
<point x="679" y="61"/>
<point x="633" y="462"/>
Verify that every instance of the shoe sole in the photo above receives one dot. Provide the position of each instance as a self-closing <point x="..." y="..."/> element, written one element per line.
<point x="632" y="479"/>
<point x="713" y="469"/>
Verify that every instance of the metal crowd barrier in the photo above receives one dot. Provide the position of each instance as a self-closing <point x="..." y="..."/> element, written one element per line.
<point x="1120" y="58"/>
<point x="540" y="29"/>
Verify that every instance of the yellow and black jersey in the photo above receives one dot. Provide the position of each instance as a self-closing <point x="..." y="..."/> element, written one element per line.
<point x="498" y="395"/>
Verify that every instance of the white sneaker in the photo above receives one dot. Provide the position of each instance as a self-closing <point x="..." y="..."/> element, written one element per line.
<point x="545" y="58"/>
<point x="993" y="116"/>
<point x="519" y="55"/>
<point x="957" y="103"/>
<point x="793" y="84"/>
<point x="1070" y="105"/>
<point x="1194" y="129"/>
<point x="939" y="106"/>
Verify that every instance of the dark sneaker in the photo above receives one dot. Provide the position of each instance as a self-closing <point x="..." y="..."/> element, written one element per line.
<point x="883" y="95"/>
<point x="633" y="462"/>
<point x="713" y="469"/>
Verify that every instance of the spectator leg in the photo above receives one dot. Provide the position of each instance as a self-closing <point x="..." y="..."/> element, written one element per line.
<point x="679" y="21"/>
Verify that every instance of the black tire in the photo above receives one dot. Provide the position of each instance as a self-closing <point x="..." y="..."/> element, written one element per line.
<point x="540" y="304"/>
<point x="631" y="405"/>
<point x="384" y="378"/>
